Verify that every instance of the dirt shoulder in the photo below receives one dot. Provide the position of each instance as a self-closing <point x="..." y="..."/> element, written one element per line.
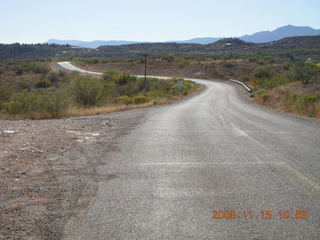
<point x="48" y="170"/>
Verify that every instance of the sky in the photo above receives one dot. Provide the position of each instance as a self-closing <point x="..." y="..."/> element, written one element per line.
<point x="36" y="21"/>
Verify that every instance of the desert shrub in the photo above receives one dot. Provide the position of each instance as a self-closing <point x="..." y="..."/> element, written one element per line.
<point x="32" y="105"/>
<point x="123" y="78"/>
<point x="5" y="92"/>
<point x="112" y="72"/>
<point x="92" y="60"/>
<point x="168" y="58"/>
<point x="154" y="94"/>
<point x="227" y="65"/>
<point x="286" y="66"/>
<point x="36" y="67"/>
<point x="269" y="59"/>
<point x="86" y="91"/>
<point x="253" y="59"/>
<point x="120" y="78"/>
<point x="43" y="83"/>
<point x="310" y="99"/>
<point x="245" y="78"/>
<point x="290" y="101"/>
<point x="143" y="85"/>
<point x="23" y="85"/>
<point x="95" y="60"/>
<point x="140" y="99"/>
<point x="262" y="72"/>
<point x="277" y="80"/>
<point x="109" y="92"/>
<point x="126" y="84"/>
<point x="56" y="106"/>
<point x="54" y="77"/>
<point x="308" y="105"/>
<point x="300" y="104"/>
<point x="262" y="95"/>
<point x="124" y="100"/>
<point x="19" y="71"/>
<point x="305" y="72"/>
<point x="181" y="62"/>
<point x="265" y="97"/>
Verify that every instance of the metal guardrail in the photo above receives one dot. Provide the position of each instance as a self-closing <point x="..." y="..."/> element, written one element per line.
<point x="242" y="84"/>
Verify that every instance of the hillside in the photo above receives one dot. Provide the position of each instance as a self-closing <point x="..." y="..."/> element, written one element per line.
<point x="280" y="33"/>
<point x="298" y="48"/>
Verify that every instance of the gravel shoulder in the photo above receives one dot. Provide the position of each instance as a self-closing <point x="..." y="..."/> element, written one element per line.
<point x="49" y="168"/>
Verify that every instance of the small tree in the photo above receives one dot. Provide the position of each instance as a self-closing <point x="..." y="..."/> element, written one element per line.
<point x="305" y="72"/>
<point x="86" y="91"/>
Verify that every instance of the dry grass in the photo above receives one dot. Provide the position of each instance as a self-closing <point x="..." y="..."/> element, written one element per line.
<point x="77" y="112"/>
<point x="278" y="98"/>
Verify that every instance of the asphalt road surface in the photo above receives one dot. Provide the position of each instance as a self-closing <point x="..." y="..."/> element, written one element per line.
<point x="215" y="151"/>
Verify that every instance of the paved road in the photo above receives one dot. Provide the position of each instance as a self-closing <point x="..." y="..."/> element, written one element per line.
<point x="71" y="67"/>
<point x="214" y="151"/>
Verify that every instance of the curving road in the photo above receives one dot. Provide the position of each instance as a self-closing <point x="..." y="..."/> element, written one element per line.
<point x="214" y="151"/>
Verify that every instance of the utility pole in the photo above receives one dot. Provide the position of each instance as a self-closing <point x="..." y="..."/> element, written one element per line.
<point x="145" y="66"/>
<point x="140" y="53"/>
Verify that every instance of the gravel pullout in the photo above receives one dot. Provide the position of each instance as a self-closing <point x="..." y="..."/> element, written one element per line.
<point x="48" y="170"/>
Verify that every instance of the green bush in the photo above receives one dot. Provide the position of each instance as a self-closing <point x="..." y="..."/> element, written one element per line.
<point x="305" y="72"/>
<point x="123" y="78"/>
<point x="228" y="65"/>
<point x="169" y="57"/>
<point x="23" y="85"/>
<point x="36" y="67"/>
<point x="54" y="77"/>
<point x="92" y="60"/>
<point x="253" y="59"/>
<point x="86" y="91"/>
<point x="56" y="106"/>
<point x="140" y="99"/>
<point x="308" y="103"/>
<point x="262" y="72"/>
<point x="43" y="83"/>
<point x="124" y="100"/>
<point x="309" y="99"/>
<point x="181" y="62"/>
<point x="265" y="97"/>
<point x="5" y="92"/>
<point x="304" y="104"/>
<point x="269" y="59"/>
<point x="31" y="105"/>
<point x="19" y="72"/>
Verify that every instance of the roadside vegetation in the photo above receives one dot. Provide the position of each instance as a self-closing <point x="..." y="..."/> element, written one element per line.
<point x="291" y="85"/>
<point x="294" y="88"/>
<point x="32" y="90"/>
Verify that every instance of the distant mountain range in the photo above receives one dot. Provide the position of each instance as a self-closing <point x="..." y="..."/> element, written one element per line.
<point x="259" y="37"/>
<point x="280" y="33"/>
<point x="293" y="48"/>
